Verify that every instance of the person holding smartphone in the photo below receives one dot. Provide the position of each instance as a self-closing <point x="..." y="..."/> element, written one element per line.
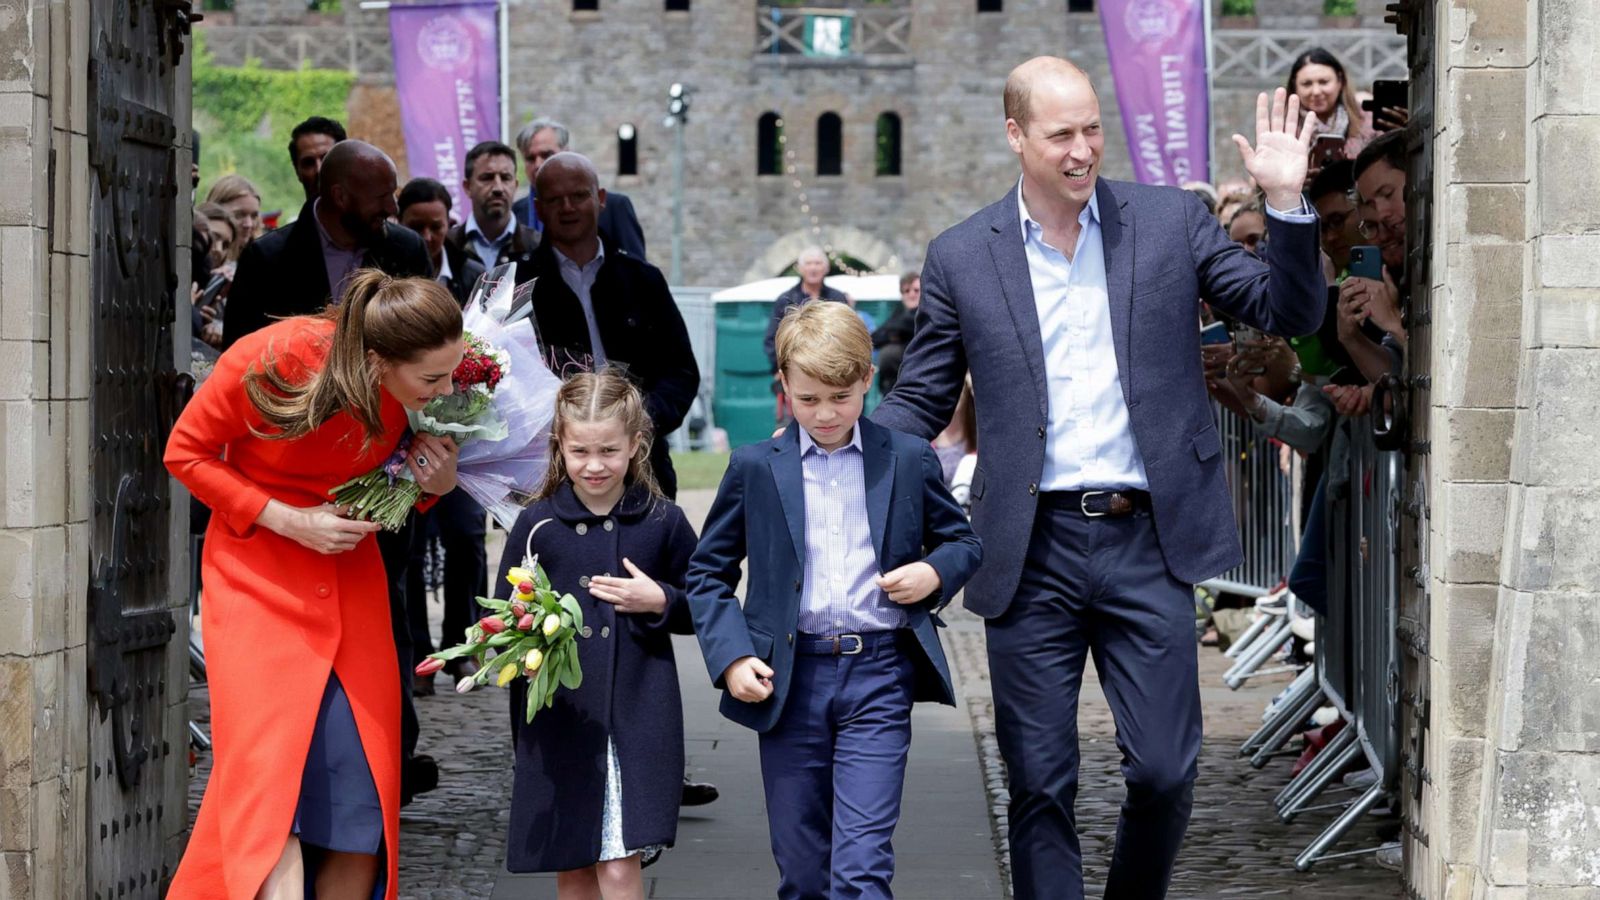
<point x="1371" y="293"/>
<point x="1318" y="78"/>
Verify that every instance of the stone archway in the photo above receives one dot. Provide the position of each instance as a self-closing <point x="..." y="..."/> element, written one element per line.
<point x="873" y="251"/>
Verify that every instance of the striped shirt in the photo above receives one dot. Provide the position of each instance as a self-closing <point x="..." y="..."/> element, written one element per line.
<point x="841" y="595"/>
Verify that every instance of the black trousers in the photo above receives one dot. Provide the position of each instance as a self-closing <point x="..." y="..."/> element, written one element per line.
<point x="458" y="523"/>
<point x="1096" y="586"/>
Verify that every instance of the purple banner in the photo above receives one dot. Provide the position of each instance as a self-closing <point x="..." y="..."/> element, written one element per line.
<point x="447" y="77"/>
<point x="1158" y="61"/>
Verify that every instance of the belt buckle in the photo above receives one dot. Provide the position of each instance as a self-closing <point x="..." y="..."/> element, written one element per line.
<point x="1083" y="504"/>
<point x="838" y="649"/>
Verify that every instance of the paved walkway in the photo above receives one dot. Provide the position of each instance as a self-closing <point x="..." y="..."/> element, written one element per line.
<point x="452" y="839"/>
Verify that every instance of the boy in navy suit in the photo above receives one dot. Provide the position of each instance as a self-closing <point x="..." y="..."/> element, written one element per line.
<point x="854" y="544"/>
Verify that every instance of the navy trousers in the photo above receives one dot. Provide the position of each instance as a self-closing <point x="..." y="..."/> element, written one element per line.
<point x="1309" y="577"/>
<point x="1096" y="586"/>
<point x="834" y="767"/>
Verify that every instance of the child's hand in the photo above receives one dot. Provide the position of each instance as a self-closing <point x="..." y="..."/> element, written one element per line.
<point x="639" y="594"/>
<point x="748" y="679"/>
<point x="910" y="583"/>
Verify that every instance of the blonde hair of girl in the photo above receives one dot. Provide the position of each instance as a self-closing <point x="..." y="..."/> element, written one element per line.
<point x="601" y="397"/>
<point x="396" y="319"/>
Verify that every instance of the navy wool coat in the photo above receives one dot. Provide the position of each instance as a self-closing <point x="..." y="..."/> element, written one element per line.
<point x="629" y="692"/>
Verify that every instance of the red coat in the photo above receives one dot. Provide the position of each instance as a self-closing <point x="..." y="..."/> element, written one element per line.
<point x="278" y="616"/>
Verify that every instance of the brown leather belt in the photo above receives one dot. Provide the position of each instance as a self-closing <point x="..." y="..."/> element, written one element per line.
<point x="1097" y="504"/>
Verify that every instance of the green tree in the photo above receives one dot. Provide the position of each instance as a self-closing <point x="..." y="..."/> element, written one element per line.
<point x="244" y="115"/>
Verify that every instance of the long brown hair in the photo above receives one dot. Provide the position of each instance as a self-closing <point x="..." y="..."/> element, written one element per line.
<point x="1317" y="56"/>
<point x="398" y="319"/>
<point x="601" y="397"/>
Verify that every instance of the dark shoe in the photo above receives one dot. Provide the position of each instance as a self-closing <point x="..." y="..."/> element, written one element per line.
<point x="418" y="775"/>
<point x="422" y="685"/>
<point x="696" y="793"/>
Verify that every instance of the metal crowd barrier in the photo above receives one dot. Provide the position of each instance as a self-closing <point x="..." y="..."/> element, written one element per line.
<point x="1356" y="667"/>
<point x="1263" y="503"/>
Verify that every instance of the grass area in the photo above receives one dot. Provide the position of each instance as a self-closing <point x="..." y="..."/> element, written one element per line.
<point x="697" y="470"/>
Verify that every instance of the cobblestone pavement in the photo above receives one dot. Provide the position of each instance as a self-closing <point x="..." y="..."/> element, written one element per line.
<point x="452" y="839"/>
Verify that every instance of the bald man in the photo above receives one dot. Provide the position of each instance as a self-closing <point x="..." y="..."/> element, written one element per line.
<point x="302" y="267"/>
<point x="1099" y="492"/>
<point x="596" y="306"/>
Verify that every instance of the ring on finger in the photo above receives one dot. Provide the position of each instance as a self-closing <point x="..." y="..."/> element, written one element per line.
<point x="422" y="461"/>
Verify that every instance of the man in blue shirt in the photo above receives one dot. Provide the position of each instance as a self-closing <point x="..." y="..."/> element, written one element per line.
<point x="1099" y="493"/>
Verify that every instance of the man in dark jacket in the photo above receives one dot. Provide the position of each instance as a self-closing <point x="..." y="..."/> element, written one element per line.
<point x="596" y="306"/>
<point x="300" y="268"/>
<point x="491" y="234"/>
<point x="619" y="225"/>
<point x="813" y="266"/>
<point x="891" y="338"/>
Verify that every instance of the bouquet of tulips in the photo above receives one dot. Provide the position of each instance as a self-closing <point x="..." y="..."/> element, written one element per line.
<point x="534" y="634"/>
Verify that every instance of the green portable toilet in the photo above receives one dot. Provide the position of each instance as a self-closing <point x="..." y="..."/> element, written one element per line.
<point x="743" y="403"/>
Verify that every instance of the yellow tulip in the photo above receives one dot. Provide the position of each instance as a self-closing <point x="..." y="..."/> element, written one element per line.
<point x="506" y="674"/>
<point x="535" y="660"/>
<point x="552" y="624"/>
<point x="518" y="575"/>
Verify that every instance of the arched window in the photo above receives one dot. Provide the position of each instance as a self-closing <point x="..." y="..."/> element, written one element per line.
<point x="1080" y="5"/>
<point x="585" y="5"/>
<point x="830" y="144"/>
<point x="889" y="144"/>
<point x="677" y="5"/>
<point x="627" y="149"/>
<point x="769" y="144"/>
<point x="988" y="6"/>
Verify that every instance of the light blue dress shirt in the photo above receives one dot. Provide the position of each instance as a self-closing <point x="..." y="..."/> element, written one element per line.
<point x="1089" y="442"/>
<point x="841" y="594"/>
<point x="488" y="249"/>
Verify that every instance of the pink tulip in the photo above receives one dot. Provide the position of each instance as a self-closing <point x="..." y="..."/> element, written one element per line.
<point x="526" y="587"/>
<point x="518" y="609"/>
<point x="492" y="624"/>
<point x="429" y="666"/>
<point x="525" y="623"/>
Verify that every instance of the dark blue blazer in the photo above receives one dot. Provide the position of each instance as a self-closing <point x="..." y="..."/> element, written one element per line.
<point x="759" y="514"/>
<point x="1164" y="254"/>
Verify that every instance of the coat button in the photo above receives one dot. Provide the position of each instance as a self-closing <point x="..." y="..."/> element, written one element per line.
<point x="791" y="637"/>
<point x="323" y="590"/>
<point x="583" y="581"/>
<point x="1033" y="489"/>
<point x="605" y="631"/>
<point x="582" y="528"/>
<point x="797" y="585"/>
<point x="587" y="631"/>
<point x="609" y="525"/>
<point x="1041" y="431"/>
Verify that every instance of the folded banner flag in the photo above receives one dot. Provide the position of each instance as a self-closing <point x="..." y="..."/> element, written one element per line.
<point x="1158" y="63"/>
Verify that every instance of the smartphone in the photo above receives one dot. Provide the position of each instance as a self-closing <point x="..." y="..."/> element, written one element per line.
<point x="1247" y="335"/>
<point x="1387" y="95"/>
<point x="1215" y="333"/>
<point x="1327" y="149"/>
<point x="213" y="288"/>
<point x="1366" y="262"/>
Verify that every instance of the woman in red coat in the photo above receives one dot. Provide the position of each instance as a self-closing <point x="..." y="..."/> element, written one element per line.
<point x="304" y="794"/>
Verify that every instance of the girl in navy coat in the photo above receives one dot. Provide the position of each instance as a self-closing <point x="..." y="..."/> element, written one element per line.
<point x="599" y="774"/>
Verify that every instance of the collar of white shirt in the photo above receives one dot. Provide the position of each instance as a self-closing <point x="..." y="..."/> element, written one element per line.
<point x="807" y="444"/>
<point x="444" y="267"/>
<point x="1092" y="210"/>
<point x="591" y="265"/>
<point x="497" y="240"/>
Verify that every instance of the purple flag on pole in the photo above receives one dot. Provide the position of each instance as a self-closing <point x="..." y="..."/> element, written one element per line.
<point x="447" y="76"/>
<point x="1158" y="61"/>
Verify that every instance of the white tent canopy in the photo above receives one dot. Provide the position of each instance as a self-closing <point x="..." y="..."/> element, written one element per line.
<point x="859" y="287"/>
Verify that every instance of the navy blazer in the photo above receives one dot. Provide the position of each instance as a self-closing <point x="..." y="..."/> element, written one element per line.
<point x="760" y="513"/>
<point x="1164" y="254"/>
